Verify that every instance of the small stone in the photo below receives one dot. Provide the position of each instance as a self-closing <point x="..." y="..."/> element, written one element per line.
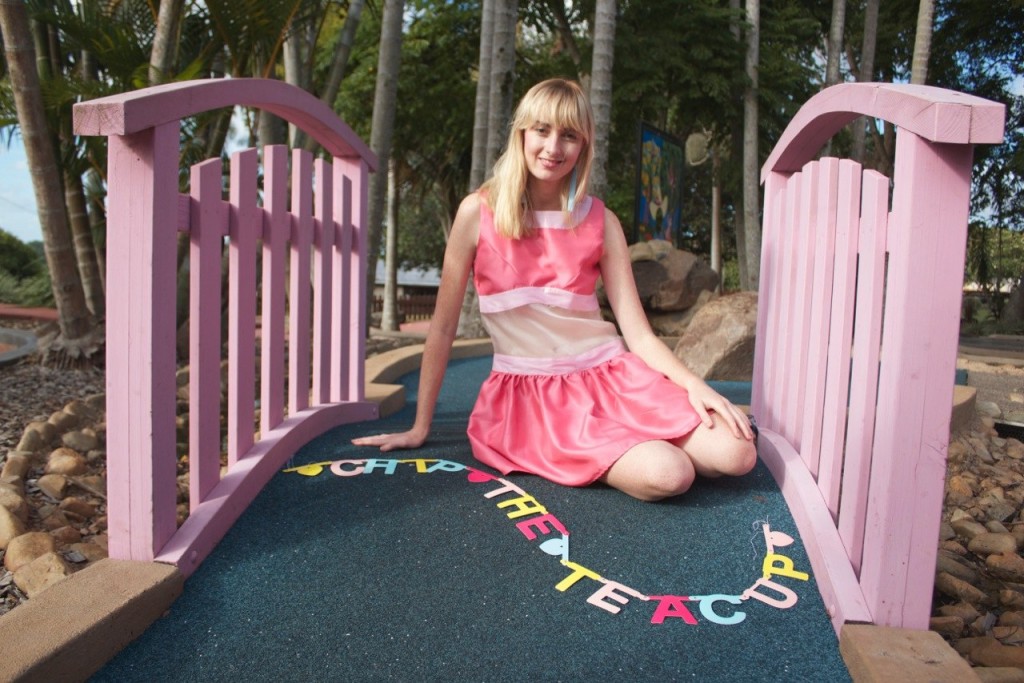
<point x="958" y="589"/>
<point x="90" y="551"/>
<point x="989" y="408"/>
<point x="27" y="547"/>
<point x="97" y="402"/>
<point x="11" y="527"/>
<point x="1012" y="618"/>
<point x="1014" y="449"/>
<point x="1007" y="565"/>
<point x="16" y="467"/>
<point x="946" y="532"/>
<point x="951" y="627"/>
<point x="1000" y="511"/>
<point x="100" y="540"/>
<point x="953" y="547"/>
<point x="63" y="421"/>
<point x="989" y="543"/>
<point x="999" y="674"/>
<point x="958" y="490"/>
<point x="996" y="654"/>
<point x="1008" y="635"/>
<point x="996" y="527"/>
<point x="964" y="610"/>
<point x="949" y="562"/>
<point x="967" y="645"/>
<point x="78" y="507"/>
<point x="14" y="502"/>
<point x="53" y="485"/>
<point x="67" y="535"/>
<point x="1011" y="598"/>
<point x="66" y="461"/>
<point x="41" y="573"/>
<point x="93" y="483"/>
<point x="54" y="518"/>
<point x="81" y="410"/>
<point x="983" y="624"/>
<point x="968" y="528"/>
<point x="83" y="440"/>
<point x="37" y="436"/>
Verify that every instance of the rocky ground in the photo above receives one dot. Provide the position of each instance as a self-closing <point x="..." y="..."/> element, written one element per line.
<point x="53" y="501"/>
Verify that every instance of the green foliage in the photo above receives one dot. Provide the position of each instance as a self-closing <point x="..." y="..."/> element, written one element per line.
<point x="17" y="258"/>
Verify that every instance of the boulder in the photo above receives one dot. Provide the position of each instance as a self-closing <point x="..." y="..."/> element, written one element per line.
<point x="27" y="547"/>
<point x="674" y="324"/>
<point x="673" y="280"/>
<point x="66" y="461"/>
<point x="41" y="573"/>
<point x="719" y="342"/>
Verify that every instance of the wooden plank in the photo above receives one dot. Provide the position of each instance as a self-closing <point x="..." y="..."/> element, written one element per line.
<point x="340" y="266"/>
<point x="803" y="246"/>
<point x="823" y="237"/>
<point x="208" y="221"/>
<point x="298" y="307"/>
<point x="322" y="264"/>
<point x="836" y="581"/>
<point x="769" y="275"/>
<point x="927" y="239"/>
<point x="784" y="358"/>
<point x="864" y="374"/>
<point x="276" y="229"/>
<point x="140" y="384"/>
<point x="245" y="226"/>
<point x="837" y="376"/>
<point x="138" y="110"/>
<point x="358" y="172"/>
<point x="933" y="113"/>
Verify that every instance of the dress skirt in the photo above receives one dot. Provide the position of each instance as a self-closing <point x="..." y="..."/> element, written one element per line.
<point x="571" y="428"/>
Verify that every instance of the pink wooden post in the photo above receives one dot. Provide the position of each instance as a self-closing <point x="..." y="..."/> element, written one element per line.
<point x="140" y="343"/>
<point x="873" y="553"/>
<point x="145" y="213"/>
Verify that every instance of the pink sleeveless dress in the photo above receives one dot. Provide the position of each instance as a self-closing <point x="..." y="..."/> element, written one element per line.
<point x="564" y="399"/>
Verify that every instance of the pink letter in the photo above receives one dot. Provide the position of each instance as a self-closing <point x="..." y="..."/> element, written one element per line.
<point x="608" y="591"/>
<point x="672" y="606"/>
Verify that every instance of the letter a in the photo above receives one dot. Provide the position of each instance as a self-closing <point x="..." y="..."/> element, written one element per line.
<point x="672" y="606"/>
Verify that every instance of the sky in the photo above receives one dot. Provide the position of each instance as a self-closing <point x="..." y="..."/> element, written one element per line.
<point x="17" y="200"/>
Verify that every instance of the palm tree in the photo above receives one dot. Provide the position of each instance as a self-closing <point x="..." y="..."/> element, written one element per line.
<point x="601" y="90"/>
<point x="74" y="343"/>
<point x="922" y="42"/>
<point x="751" y="186"/>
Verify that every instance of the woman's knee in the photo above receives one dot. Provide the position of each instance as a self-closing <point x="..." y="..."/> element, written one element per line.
<point x="739" y="459"/>
<point x="665" y="478"/>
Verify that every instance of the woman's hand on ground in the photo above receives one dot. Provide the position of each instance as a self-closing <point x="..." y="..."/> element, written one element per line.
<point x="391" y="442"/>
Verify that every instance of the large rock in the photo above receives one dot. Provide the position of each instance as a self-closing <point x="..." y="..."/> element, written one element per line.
<point x="27" y="547"/>
<point x="674" y="324"/>
<point x="719" y="342"/>
<point x="671" y="279"/>
<point x="41" y="573"/>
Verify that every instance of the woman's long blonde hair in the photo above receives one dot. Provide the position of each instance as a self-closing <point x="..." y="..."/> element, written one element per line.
<point x="559" y="103"/>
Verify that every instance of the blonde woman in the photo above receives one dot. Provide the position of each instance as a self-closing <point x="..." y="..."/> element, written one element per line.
<point x="567" y="399"/>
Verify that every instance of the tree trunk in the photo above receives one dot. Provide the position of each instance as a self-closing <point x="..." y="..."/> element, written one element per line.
<point x="342" y="50"/>
<point x="865" y="72"/>
<point x="389" y="314"/>
<point x="751" y="184"/>
<point x="503" y="72"/>
<point x="601" y="91"/>
<point x="736" y="137"/>
<point x="85" y="249"/>
<point x="73" y="315"/>
<point x="922" y="42"/>
<point x="479" y="170"/>
<point x="383" y="125"/>
<point x="165" y="41"/>
<point x="835" y="42"/>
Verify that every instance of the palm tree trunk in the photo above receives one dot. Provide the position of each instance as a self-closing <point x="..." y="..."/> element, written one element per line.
<point x="165" y="41"/>
<point x="383" y="126"/>
<point x="922" y="42"/>
<point x="389" y="315"/>
<point x="601" y="91"/>
<point x="835" y="42"/>
<point x="85" y="248"/>
<point x="503" y="72"/>
<point x="751" y="185"/>
<point x="481" y="117"/>
<point x="73" y="315"/>
<point x="865" y="72"/>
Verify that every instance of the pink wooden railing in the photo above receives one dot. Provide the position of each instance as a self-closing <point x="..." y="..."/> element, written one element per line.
<point x="313" y="285"/>
<point x="857" y="339"/>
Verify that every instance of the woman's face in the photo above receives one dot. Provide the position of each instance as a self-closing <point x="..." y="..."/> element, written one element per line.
<point x="551" y="152"/>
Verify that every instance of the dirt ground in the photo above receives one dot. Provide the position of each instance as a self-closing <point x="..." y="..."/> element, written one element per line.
<point x="1000" y="381"/>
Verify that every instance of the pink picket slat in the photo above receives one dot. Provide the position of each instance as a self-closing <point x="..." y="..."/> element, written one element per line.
<point x="766" y="292"/>
<point x="246" y="226"/>
<point x="820" y="292"/>
<point x="840" y="340"/>
<point x="784" y="358"/>
<point x="276" y="229"/>
<point x="358" y="172"/>
<point x="298" y="306"/>
<point x="864" y="371"/>
<point x="208" y="225"/>
<point x="341" y="266"/>
<point x="322" y="263"/>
